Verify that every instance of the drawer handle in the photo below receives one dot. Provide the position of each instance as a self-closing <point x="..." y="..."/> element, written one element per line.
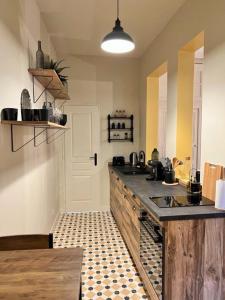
<point x="134" y="208"/>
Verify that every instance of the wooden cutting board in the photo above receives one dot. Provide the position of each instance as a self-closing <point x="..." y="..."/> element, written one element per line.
<point x="211" y="174"/>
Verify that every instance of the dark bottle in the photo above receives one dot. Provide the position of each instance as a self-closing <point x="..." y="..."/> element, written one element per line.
<point x="39" y="57"/>
<point x="118" y="126"/>
<point x="113" y="126"/>
<point x="123" y="125"/>
<point x="155" y="154"/>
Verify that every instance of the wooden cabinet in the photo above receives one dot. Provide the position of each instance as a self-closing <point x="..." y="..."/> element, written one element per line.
<point x="125" y="208"/>
<point x="193" y="250"/>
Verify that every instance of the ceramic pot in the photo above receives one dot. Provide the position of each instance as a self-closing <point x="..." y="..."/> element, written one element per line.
<point x="63" y="119"/>
<point x="9" y="114"/>
<point x="27" y="114"/>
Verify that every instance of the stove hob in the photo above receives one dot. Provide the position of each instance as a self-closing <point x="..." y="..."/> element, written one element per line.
<point x="181" y="201"/>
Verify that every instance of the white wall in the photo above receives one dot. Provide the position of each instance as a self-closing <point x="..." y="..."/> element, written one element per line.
<point x="28" y="178"/>
<point x="190" y="20"/>
<point x="109" y="83"/>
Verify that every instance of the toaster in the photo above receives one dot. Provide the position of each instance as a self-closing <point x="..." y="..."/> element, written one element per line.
<point x="118" y="161"/>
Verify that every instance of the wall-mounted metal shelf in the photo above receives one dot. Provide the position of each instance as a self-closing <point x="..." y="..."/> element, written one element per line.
<point x="129" y="129"/>
<point x="37" y="125"/>
<point x="51" y="83"/>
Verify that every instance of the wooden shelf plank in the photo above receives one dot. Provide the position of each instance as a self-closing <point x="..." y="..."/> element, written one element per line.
<point x="50" y="80"/>
<point x="42" y="124"/>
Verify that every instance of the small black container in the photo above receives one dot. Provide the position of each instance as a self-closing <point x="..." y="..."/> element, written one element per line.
<point x="170" y="176"/>
<point x="36" y="114"/>
<point x="9" y="114"/>
<point x="43" y="114"/>
<point x="63" y="120"/>
<point x="27" y="114"/>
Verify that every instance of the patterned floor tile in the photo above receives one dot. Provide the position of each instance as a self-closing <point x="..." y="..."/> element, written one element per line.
<point x="108" y="272"/>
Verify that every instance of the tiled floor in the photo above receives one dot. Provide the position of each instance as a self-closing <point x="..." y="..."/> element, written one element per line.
<point x="108" y="271"/>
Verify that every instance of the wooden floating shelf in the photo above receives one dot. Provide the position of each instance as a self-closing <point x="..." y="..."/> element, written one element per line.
<point x="50" y="80"/>
<point x="42" y="124"/>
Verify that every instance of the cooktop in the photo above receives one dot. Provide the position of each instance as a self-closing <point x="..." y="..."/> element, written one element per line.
<point x="181" y="201"/>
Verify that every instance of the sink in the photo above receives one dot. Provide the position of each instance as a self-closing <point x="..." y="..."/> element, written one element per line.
<point x="135" y="171"/>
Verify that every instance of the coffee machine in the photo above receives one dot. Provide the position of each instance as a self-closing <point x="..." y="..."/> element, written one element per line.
<point x="156" y="170"/>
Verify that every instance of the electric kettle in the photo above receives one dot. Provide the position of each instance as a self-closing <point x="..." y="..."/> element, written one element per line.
<point x="133" y="159"/>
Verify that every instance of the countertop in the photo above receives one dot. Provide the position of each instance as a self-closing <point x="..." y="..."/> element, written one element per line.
<point x="145" y="189"/>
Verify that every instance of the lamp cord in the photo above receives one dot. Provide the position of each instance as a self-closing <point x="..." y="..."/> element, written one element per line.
<point x="117" y="9"/>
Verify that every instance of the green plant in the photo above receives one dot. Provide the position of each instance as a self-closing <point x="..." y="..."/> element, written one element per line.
<point x="55" y="65"/>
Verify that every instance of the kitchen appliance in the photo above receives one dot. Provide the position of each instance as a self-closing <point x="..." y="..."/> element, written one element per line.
<point x="133" y="159"/>
<point x="118" y="161"/>
<point x="182" y="201"/>
<point x="152" y="250"/>
<point x="141" y="158"/>
<point x="156" y="170"/>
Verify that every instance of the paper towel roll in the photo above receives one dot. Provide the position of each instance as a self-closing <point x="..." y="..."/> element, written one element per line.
<point x="220" y="194"/>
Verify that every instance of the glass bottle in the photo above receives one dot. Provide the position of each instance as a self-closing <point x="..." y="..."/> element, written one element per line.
<point x="39" y="57"/>
<point x="155" y="154"/>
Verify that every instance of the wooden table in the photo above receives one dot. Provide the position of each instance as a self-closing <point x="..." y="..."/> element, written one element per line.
<point x="41" y="274"/>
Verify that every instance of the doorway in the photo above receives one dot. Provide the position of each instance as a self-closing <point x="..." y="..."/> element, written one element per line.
<point x="82" y="144"/>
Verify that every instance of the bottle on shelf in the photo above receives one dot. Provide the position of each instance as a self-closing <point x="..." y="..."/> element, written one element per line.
<point x="123" y="125"/>
<point x="118" y="125"/>
<point x="126" y="136"/>
<point x="39" y="57"/>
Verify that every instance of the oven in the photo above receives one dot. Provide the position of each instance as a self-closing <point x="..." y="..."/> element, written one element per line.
<point x="151" y="251"/>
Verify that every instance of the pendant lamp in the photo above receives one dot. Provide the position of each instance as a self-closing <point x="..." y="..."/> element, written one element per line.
<point x="117" y="41"/>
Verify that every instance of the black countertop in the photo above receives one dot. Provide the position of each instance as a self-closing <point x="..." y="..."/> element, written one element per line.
<point x="145" y="189"/>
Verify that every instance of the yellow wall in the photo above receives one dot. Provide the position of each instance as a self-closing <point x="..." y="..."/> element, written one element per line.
<point x="185" y="104"/>
<point x="152" y="115"/>
<point x="152" y="109"/>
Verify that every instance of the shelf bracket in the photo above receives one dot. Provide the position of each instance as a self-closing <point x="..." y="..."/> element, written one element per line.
<point x="13" y="148"/>
<point x="48" y="136"/>
<point x="45" y="89"/>
<point x="62" y="133"/>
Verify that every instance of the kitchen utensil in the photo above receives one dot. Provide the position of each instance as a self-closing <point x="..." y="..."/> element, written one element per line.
<point x="9" y="114"/>
<point x="211" y="174"/>
<point x="133" y="159"/>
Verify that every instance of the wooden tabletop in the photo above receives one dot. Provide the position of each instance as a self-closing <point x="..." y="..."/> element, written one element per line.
<point x="41" y="274"/>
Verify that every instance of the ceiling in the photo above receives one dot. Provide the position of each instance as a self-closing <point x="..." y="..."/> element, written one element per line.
<point x="78" y="26"/>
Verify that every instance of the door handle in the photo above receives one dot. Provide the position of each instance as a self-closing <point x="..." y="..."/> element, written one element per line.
<point x="95" y="158"/>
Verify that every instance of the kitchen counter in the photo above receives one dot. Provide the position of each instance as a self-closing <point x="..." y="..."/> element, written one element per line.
<point x="145" y="189"/>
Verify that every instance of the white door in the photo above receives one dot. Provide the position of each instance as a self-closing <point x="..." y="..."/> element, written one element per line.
<point x="81" y="146"/>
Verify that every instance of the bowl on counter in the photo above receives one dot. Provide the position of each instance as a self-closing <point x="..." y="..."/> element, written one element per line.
<point x="9" y="114"/>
